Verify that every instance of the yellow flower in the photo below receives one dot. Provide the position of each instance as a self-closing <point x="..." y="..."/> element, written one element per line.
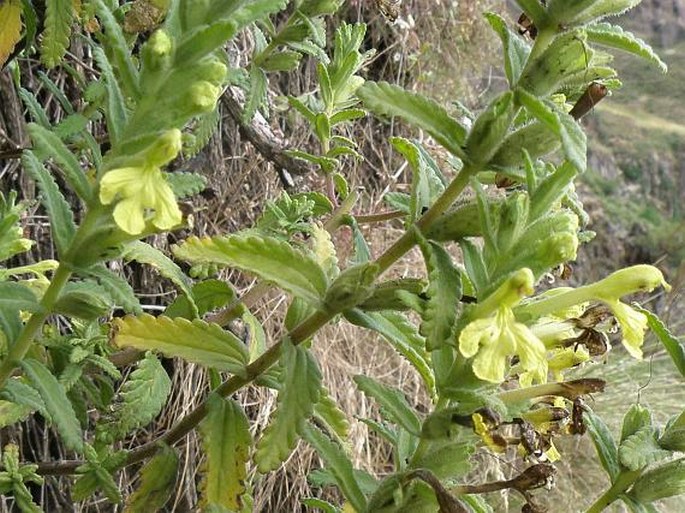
<point x="494" y="339"/>
<point x="633" y="326"/>
<point x="140" y="189"/>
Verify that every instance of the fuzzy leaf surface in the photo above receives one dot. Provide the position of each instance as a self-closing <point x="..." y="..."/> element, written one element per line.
<point x="444" y="293"/>
<point x="269" y="258"/>
<point x="61" y="217"/>
<point x="393" y="403"/>
<point x="59" y="14"/>
<point x="195" y="341"/>
<point x="339" y="466"/>
<point x="157" y="480"/>
<point x="56" y="403"/>
<point x="611" y="35"/>
<point x="14" y="298"/>
<point x="417" y="110"/>
<point x="673" y="346"/>
<point x="640" y="449"/>
<point x="401" y="335"/>
<point x="143" y="395"/>
<point x="226" y="441"/>
<point x="604" y="443"/>
<point x="300" y="391"/>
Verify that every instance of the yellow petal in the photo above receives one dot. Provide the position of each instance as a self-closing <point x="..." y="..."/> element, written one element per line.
<point x="167" y="214"/>
<point x="633" y="325"/>
<point x="130" y="216"/>
<point x="124" y="182"/>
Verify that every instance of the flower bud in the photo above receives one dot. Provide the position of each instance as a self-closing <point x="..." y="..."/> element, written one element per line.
<point x="164" y="149"/>
<point x="203" y="96"/>
<point x="160" y="43"/>
<point x="638" y="278"/>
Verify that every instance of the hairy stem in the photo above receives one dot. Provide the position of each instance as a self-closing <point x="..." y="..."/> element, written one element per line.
<point x="18" y="349"/>
<point x="623" y="481"/>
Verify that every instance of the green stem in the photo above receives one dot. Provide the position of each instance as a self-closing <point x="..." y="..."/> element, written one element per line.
<point x="624" y="480"/>
<point x="19" y="348"/>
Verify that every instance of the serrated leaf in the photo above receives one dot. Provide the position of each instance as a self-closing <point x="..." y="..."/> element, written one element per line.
<point x="143" y="395"/>
<point x="614" y="36"/>
<point x="447" y="459"/>
<point x="61" y="217"/>
<point x="572" y="137"/>
<point x="117" y="287"/>
<point x="327" y="410"/>
<point x="226" y="441"/>
<point x="640" y="449"/>
<point x="208" y="295"/>
<point x="11" y="412"/>
<point x="59" y="15"/>
<point x="13" y="299"/>
<point x="636" y="418"/>
<point x="157" y="480"/>
<point x="117" y="114"/>
<point x="300" y="391"/>
<point x="203" y="130"/>
<point x="516" y="50"/>
<point x="22" y="394"/>
<point x="56" y="403"/>
<point x="417" y="110"/>
<point x="604" y="443"/>
<point x="401" y="335"/>
<point x="269" y="258"/>
<point x="666" y="480"/>
<point x="286" y="60"/>
<point x="256" y="95"/>
<point x="35" y="109"/>
<point x="300" y="107"/>
<point x="195" y="341"/>
<point x="83" y="300"/>
<point x="426" y="186"/>
<point x="147" y="254"/>
<point x="444" y="293"/>
<point x="10" y="28"/>
<point x="393" y="403"/>
<point x="673" y="437"/>
<point x="339" y="466"/>
<point x="118" y="49"/>
<point x="185" y="184"/>
<point x="673" y="346"/>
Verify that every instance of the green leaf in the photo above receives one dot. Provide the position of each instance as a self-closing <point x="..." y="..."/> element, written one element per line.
<point x="394" y="406"/>
<point x="195" y="341"/>
<point x="208" y="295"/>
<point x="146" y="254"/>
<point x="59" y="15"/>
<point x="636" y="418"/>
<point x="83" y="300"/>
<point x="61" y="218"/>
<point x="56" y="403"/>
<point x="347" y="115"/>
<point x="300" y="107"/>
<point x="186" y="184"/>
<point x="117" y="287"/>
<point x="157" y="483"/>
<point x="636" y="506"/>
<point x="399" y="294"/>
<point x="640" y="449"/>
<point x="580" y="12"/>
<point x="401" y="335"/>
<point x="339" y="466"/>
<point x="256" y="95"/>
<point x="13" y="299"/>
<point x="330" y="413"/>
<point x="11" y="413"/>
<point x="22" y="394"/>
<point x="35" y="109"/>
<point x="490" y="128"/>
<point x="269" y="258"/>
<point x="226" y="441"/>
<point x="516" y="50"/>
<point x="614" y="36"/>
<point x="354" y="285"/>
<point x="320" y="504"/>
<point x="300" y="391"/>
<point x="666" y="480"/>
<point x="444" y="293"/>
<point x="673" y="346"/>
<point x="96" y="474"/>
<point x="446" y="458"/>
<point x="204" y="128"/>
<point x="426" y="185"/>
<point x="673" y="437"/>
<point x="417" y="110"/>
<point x="50" y="145"/>
<point x="572" y="137"/>
<point x="142" y="397"/>
<point x="474" y="264"/>
<point x="604" y="443"/>
<point x="118" y="49"/>
<point x="285" y="60"/>
<point x="116" y="113"/>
